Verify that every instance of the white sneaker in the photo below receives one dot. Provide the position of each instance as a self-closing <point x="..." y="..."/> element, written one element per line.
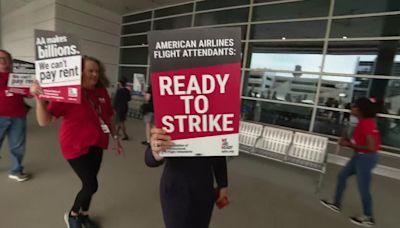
<point x="331" y="206"/>
<point x="19" y="177"/>
<point x="363" y="220"/>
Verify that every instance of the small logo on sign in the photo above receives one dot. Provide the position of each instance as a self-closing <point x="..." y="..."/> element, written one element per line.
<point x="72" y="92"/>
<point x="225" y="145"/>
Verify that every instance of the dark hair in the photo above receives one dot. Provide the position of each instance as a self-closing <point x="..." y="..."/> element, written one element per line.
<point x="122" y="82"/>
<point x="9" y="56"/>
<point x="103" y="80"/>
<point x="367" y="106"/>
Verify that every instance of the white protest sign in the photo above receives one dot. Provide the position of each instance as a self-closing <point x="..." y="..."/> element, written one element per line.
<point x="58" y="66"/>
<point x="22" y="77"/>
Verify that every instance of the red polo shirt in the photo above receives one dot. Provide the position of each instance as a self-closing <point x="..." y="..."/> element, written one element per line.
<point x="11" y="105"/>
<point x="80" y="126"/>
<point x="366" y="127"/>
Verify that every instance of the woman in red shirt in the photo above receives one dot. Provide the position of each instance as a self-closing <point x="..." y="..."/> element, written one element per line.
<point x="84" y="134"/>
<point x="365" y="143"/>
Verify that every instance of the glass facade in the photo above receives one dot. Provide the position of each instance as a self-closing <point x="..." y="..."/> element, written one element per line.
<point x="304" y="62"/>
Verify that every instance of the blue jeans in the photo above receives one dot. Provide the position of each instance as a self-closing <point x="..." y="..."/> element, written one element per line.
<point x="360" y="165"/>
<point x="15" y="129"/>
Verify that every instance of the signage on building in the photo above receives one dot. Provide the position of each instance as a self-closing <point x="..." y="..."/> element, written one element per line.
<point x="22" y="77"/>
<point x="58" y="66"/>
<point x="195" y="75"/>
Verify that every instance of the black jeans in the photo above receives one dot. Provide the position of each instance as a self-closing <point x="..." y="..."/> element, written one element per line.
<point x="86" y="167"/>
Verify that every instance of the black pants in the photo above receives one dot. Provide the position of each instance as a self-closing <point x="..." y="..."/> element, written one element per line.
<point x="86" y="167"/>
<point x="186" y="208"/>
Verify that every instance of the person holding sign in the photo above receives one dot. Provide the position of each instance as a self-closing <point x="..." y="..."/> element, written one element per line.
<point x="12" y="120"/>
<point x="187" y="184"/>
<point x="195" y="76"/>
<point x="84" y="134"/>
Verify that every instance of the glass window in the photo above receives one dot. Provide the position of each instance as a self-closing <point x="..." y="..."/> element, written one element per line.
<point x="133" y="56"/>
<point x="173" y="23"/>
<point x="346" y="7"/>
<point x="243" y="45"/>
<point x="296" y="87"/>
<point x="333" y="123"/>
<point x="363" y="57"/>
<point x="205" y="5"/>
<point x="293" y="56"/>
<point x="243" y="30"/>
<point x="291" y="10"/>
<point x="133" y="40"/>
<point x="137" y="17"/>
<point x="342" y="124"/>
<point x="222" y="17"/>
<point x="278" y="114"/>
<point x="396" y="66"/>
<point x="261" y="1"/>
<point x="340" y="92"/>
<point x="390" y="131"/>
<point x="188" y="8"/>
<point x="127" y="72"/>
<point x="366" y="27"/>
<point x="289" y="30"/>
<point x="136" y="28"/>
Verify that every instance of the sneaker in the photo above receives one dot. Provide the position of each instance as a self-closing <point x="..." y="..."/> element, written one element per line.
<point x="72" y="221"/>
<point x="87" y="222"/>
<point x="331" y="206"/>
<point x="19" y="177"/>
<point x="145" y="143"/>
<point x="363" y="220"/>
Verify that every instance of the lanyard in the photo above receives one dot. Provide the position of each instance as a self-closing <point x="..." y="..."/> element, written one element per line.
<point x="96" y="108"/>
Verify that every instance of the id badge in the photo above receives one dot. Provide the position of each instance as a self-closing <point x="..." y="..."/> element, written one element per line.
<point x="105" y="128"/>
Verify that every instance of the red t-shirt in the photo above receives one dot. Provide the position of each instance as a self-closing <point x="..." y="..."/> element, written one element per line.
<point x="80" y="126"/>
<point x="11" y="105"/>
<point x="366" y="127"/>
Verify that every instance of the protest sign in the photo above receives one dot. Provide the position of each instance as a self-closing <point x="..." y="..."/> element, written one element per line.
<point x="58" y="66"/>
<point x="195" y="75"/>
<point x="138" y="84"/>
<point x="22" y="77"/>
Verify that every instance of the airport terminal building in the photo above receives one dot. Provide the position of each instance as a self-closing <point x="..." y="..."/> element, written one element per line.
<point x="303" y="61"/>
<point x="303" y="64"/>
